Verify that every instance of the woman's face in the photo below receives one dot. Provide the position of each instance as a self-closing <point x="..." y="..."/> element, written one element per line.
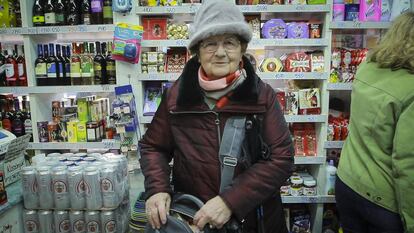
<point x="220" y="55"/>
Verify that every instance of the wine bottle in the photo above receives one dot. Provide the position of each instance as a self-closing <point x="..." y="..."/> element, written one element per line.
<point x="40" y="67"/>
<point x="50" y="13"/>
<point x="75" y="66"/>
<point x="21" y="66"/>
<point x="67" y="62"/>
<point x="52" y="66"/>
<point x="96" y="11"/>
<point x="38" y="12"/>
<point x="108" y="17"/>
<point x="60" y="13"/>
<point x="73" y="17"/>
<point x="87" y="65"/>
<point x="2" y="69"/>
<point x="12" y="72"/>
<point x="62" y="80"/>
<point x="110" y="66"/>
<point x="99" y="65"/>
<point x="86" y="12"/>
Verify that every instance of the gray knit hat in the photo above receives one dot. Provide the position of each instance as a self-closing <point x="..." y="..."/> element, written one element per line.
<point x="217" y="17"/>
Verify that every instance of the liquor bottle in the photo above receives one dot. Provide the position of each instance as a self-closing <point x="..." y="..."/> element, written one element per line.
<point x="108" y="17"/>
<point x="75" y="66"/>
<point x="86" y="12"/>
<point x="60" y="13"/>
<point x="38" y="14"/>
<point x="17" y="123"/>
<point x="96" y="11"/>
<point x="6" y="121"/>
<point x="52" y="66"/>
<point x="73" y="17"/>
<point x="62" y="80"/>
<point x="21" y="66"/>
<point x="86" y="65"/>
<point x="12" y="72"/>
<point x="104" y="54"/>
<point x="110" y="66"/>
<point x="67" y="62"/>
<point x="99" y="65"/>
<point x="50" y="13"/>
<point x="18" y="13"/>
<point x="12" y="16"/>
<point x="3" y="82"/>
<point x="40" y="67"/>
<point x="27" y="122"/>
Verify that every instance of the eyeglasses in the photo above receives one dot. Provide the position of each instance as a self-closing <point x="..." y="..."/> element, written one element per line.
<point x="229" y="44"/>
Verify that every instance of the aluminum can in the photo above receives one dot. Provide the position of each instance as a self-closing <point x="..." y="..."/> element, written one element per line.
<point x="46" y="221"/>
<point x="108" y="222"/>
<point x="82" y="164"/>
<point x="93" y="195"/>
<point x="53" y="155"/>
<point x="76" y="187"/>
<point x="81" y="154"/>
<point x="89" y="159"/>
<point x="77" y="221"/>
<point x="60" y="188"/>
<point x="62" y="222"/>
<point x="109" y="187"/>
<point x="93" y="221"/>
<point x="74" y="159"/>
<point x="30" y="221"/>
<point x="44" y="182"/>
<point x="30" y="195"/>
<point x="67" y="155"/>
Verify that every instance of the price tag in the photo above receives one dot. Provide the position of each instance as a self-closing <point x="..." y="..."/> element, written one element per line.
<point x="245" y="8"/>
<point x="147" y="9"/>
<point x="357" y="24"/>
<point x="170" y="10"/>
<point x="31" y="30"/>
<point x="300" y="8"/>
<point x="152" y="76"/>
<point x="44" y="30"/>
<point x="310" y="118"/>
<point x="55" y="29"/>
<point x="102" y="29"/>
<point x="120" y="129"/>
<point x="108" y="144"/>
<point x="181" y="43"/>
<point x="126" y="109"/>
<point x="16" y="31"/>
<point x="280" y="76"/>
<point x="299" y="75"/>
<point x="261" y="7"/>
<point x="106" y="87"/>
<point x="312" y="199"/>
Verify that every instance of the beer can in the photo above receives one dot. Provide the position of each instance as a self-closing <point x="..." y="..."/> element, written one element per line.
<point x="92" y="221"/>
<point x="46" y="221"/>
<point x="92" y="178"/>
<point x="30" y="221"/>
<point x="62" y="222"/>
<point x="77" y="221"/>
<point x="53" y="155"/>
<point x="74" y="159"/>
<point x="82" y="164"/>
<point x="30" y="195"/>
<point x="42" y="131"/>
<point x="67" y="155"/>
<point x="60" y="187"/>
<point x="44" y="182"/>
<point x="95" y="155"/>
<point x="76" y="187"/>
<point x="108" y="186"/>
<point x="108" y="222"/>
<point x="89" y="159"/>
<point x="81" y="154"/>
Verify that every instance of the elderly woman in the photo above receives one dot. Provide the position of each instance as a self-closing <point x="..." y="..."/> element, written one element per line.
<point x="218" y="82"/>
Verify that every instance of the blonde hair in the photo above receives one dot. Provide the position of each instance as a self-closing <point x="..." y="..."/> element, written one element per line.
<point x="396" y="49"/>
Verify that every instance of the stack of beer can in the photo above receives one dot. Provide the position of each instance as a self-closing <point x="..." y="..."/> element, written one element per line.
<point x="80" y="193"/>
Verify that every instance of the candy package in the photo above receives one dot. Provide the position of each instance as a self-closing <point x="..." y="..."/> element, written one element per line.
<point x="127" y="43"/>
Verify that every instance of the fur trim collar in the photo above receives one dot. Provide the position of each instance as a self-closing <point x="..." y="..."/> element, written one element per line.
<point x="190" y="93"/>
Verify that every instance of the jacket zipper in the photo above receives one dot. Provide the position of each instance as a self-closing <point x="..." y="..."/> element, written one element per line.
<point x="217" y="121"/>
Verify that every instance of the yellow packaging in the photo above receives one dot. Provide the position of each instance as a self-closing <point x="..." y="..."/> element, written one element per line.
<point x="83" y="109"/>
<point x="72" y="129"/>
<point x="81" y="131"/>
<point x="95" y="110"/>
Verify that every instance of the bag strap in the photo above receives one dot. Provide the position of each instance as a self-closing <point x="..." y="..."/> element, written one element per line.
<point x="230" y="149"/>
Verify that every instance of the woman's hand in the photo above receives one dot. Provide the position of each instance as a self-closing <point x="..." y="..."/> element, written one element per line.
<point x="215" y="212"/>
<point x="157" y="207"/>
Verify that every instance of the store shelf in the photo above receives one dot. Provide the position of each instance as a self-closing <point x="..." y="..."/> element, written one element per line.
<point x="57" y="89"/>
<point x="254" y="42"/>
<point x="334" y="144"/>
<point x="359" y="25"/>
<point x="108" y="144"/>
<point x="289" y="118"/>
<point x="308" y="199"/>
<point x="305" y="118"/>
<point x="58" y="29"/>
<point x="158" y="77"/>
<point x="339" y="87"/>
<point x="191" y="9"/>
<point x="293" y="75"/>
<point x="309" y="159"/>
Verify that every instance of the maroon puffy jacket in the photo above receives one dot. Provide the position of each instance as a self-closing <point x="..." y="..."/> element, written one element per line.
<point x="184" y="128"/>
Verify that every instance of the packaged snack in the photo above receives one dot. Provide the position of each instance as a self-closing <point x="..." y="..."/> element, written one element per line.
<point x="315" y="30"/>
<point x="317" y="62"/>
<point x="176" y="59"/>
<point x="152" y="100"/>
<point x="168" y="2"/>
<point x="399" y="7"/>
<point x="370" y="10"/>
<point x="148" y="2"/>
<point x="385" y="10"/>
<point x="298" y="62"/>
<point x="274" y="29"/>
<point x="309" y="98"/>
<point x="271" y="65"/>
<point x="127" y="42"/>
<point x="351" y="12"/>
<point x="154" y="28"/>
<point x="316" y="2"/>
<point x="281" y="98"/>
<point x="298" y="30"/>
<point x="177" y="31"/>
<point x="254" y="23"/>
<point x="338" y="12"/>
<point x="292" y="103"/>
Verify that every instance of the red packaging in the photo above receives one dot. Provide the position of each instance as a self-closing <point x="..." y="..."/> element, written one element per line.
<point x="176" y="59"/>
<point x="3" y="193"/>
<point x="281" y="97"/>
<point x="298" y="62"/>
<point x="154" y="28"/>
<point x="310" y="140"/>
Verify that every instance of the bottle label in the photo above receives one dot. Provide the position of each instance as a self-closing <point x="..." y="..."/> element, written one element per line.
<point x="107" y="12"/>
<point x="28" y="126"/>
<point x="21" y="69"/>
<point x="2" y="68"/>
<point x="10" y="72"/>
<point x="96" y="6"/>
<point x="38" y="19"/>
<point x="75" y="69"/>
<point x="50" y="18"/>
<point x="97" y="66"/>
<point x="86" y="19"/>
<point x="86" y="69"/>
<point x="60" y="69"/>
<point x="67" y="69"/>
<point x="41" y="70"/>
<point x="51" y="70"/>
<point x="60" y="18"/>
<point x="110" y="66"/>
